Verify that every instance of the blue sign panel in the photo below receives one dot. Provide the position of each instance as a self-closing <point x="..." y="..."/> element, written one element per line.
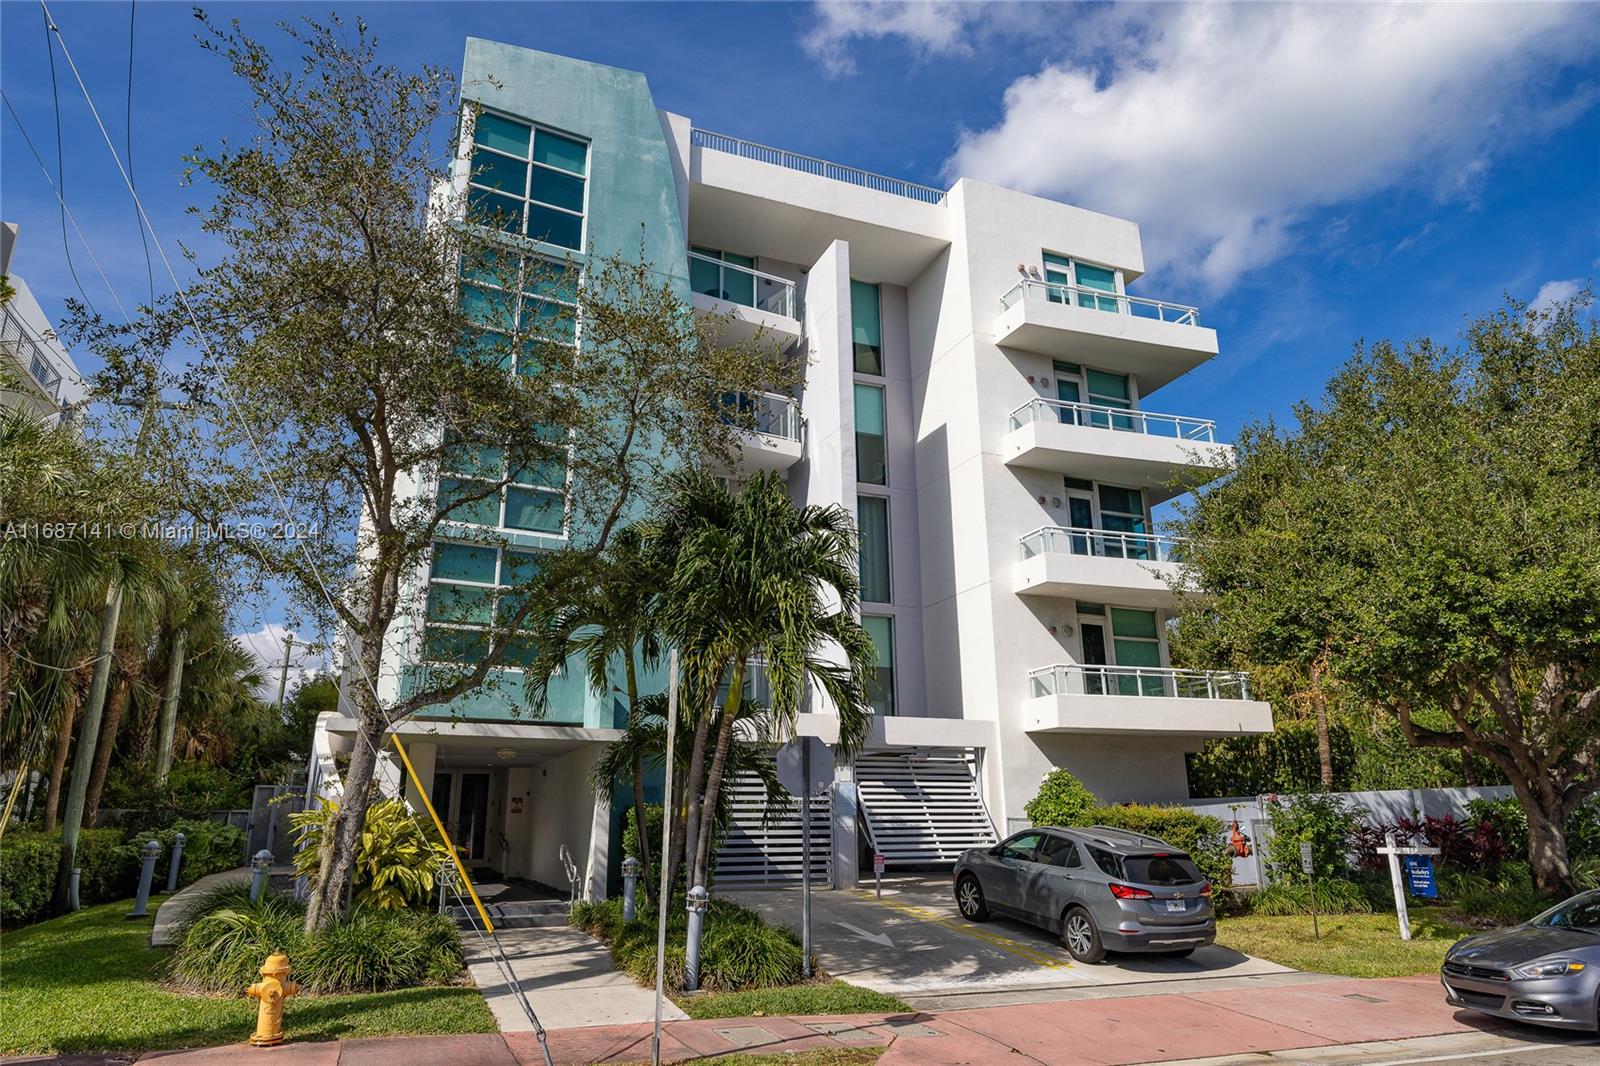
<point x="1419" y="876"/>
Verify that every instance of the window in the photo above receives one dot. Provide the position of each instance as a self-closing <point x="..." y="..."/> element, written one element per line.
<point x="867" y="326"/>
<point x="1162" y="870"/>
<point x="1108" y="390"/>
<point x="1106" y="861"/>
<point x="871" y="455"/>
<point x="541" y="307"/>
<point x="881" y="688"/>
<point x="872" y="517"/>
<point x="1063" y="270"/>
<point x="528" y="181"/>
<point x="533" y="500"/>
<point x="1059" y="851"/>
<point x="1020" y="846"/>
<point x="1136" y="642"/>
<point x="467" y="593"/>
<point x="1122" y="509"/>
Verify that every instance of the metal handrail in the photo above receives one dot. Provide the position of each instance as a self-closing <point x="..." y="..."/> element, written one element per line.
<point x="1105" y="543"/>
<point x="721" y="142"/>
<point x="1122" y="419"/>
<point x="780" y="300"/>
<point x="1137" y="306"/>
<point x="1063" y="679"/>
<point x="40" y="366"/>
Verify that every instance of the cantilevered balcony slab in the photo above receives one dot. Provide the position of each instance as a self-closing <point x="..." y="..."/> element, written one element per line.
<point x="1166" y="455"/>
<point x="1130" y="701"/>
<point x="1130" y="569"/>
<point x="1154" y="341"/>
<point x="771" y="435"/>
<point x="744" y="302"/>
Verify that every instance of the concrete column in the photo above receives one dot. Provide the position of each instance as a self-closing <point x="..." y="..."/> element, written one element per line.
<point x="599" y="859"/>
<point x="423" y="757"/>
<point x="846" y="828"/>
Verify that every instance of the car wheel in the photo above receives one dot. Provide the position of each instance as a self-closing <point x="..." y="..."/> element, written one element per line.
<point x="1080" y="937"/>
<point x="969" y="899"/>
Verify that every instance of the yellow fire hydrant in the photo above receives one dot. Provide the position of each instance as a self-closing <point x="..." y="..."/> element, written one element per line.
<point x="271" y="990"/>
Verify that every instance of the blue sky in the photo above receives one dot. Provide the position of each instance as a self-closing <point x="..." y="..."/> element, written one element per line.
<point x="1308" y="176"/>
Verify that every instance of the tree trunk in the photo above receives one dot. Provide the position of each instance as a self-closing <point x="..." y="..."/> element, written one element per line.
<point x="1319" y="709"/>
<point x="639" y="823"/>
<point x="116" y="707"/>
<point x="1547" y="852"/>
<point x="692" y="794"/>
<point x="341" y="839"/>
<point x="719" y="760"/>
<point x="58" y="764"/>
<point x="1468" y="778"/>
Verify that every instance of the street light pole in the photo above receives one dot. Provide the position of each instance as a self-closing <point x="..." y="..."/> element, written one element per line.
<point x="283" y="675"/>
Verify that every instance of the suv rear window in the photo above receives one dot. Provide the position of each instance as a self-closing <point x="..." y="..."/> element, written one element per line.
<point x="1161" y="870"/>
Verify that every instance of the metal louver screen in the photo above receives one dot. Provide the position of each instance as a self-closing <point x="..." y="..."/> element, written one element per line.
<point x="923" y="809"/>
<point x="753" y="853"/>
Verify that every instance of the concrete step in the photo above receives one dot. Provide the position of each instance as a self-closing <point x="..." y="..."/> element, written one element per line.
<point x="527" y="914"/>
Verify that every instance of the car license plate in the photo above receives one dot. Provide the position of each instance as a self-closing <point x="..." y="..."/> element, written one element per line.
<point x="1176" y="906"/>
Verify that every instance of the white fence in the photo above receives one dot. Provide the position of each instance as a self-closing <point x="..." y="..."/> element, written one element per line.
<point x="1379" y="807"/>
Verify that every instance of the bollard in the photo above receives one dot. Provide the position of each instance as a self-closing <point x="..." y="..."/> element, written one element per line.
<point x="630" y="885"/>
<point x="72" y="888"/>
<point x="273" y="988"/>
<point x="699" y="899"/>
<point x="177" y="860"/>
<point x="258" y="880"/>
<point x="147" y="874"/>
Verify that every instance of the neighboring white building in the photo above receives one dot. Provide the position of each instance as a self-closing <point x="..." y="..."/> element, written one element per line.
<point x="42" y="375"/>
<point x="976" y="392"/>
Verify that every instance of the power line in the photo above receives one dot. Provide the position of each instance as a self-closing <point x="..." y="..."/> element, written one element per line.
<point x="271" y="480"/>
<point x="61" y="180"/>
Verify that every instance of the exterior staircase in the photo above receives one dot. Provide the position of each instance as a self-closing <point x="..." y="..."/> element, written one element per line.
<point x="523" y="914"/>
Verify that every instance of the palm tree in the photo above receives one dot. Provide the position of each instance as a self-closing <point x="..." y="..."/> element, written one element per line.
<point x="752" y="577"/>
<point x="607" y="615"/>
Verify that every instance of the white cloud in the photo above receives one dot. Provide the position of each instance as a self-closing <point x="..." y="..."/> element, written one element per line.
<point x="932" y="27"/>
<point x="266" y="646"/>
<point x="1554" y="292"/>
<point x="1218" y="128"/>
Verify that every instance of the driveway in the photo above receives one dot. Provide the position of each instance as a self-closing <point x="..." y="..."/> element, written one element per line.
<point x="913" y="943"/>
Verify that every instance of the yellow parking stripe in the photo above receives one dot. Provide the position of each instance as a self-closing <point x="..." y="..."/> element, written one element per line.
<point x="1004" y="943"/>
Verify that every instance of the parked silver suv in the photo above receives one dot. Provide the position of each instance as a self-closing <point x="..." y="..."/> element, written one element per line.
<point x="1101" y="889"/>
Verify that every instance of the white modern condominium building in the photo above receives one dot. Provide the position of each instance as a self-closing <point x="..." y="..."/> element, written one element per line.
<point x="980" y="372"/>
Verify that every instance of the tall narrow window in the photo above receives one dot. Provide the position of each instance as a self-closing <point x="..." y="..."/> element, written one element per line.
<point x="1097" y="278"/>
<point x="871" y="455"/>
<point x="880" y="690"/>
<point x="1109" y="390"/>
<point x="528" y="181"/>
<point x="867" y="328"/>
<point x="872" y="516"/>
<point x="468" y="591"/>
<point x="1057" y="271"/>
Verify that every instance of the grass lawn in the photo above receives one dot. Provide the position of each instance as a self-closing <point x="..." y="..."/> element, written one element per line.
<point x="825" y="997"/>
<point x="1352" y="945"/>
<point x="88" y="982"/>
<point x="853" y="1056"/>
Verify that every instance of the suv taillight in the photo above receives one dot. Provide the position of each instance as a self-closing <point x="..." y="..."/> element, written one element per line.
<point x="1129" y="892"/>
<point x="1206" y="891"/>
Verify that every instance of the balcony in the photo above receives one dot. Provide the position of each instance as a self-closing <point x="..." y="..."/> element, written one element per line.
<point x="1150" y="339"/>
<point x="1141" y="700"/>
<point x="746" y="302"/>
<point x="771" y="431"/>
<point x="1100" y="565"/>
<point x="1166" y="455"/>
<point x="30" y="355"/>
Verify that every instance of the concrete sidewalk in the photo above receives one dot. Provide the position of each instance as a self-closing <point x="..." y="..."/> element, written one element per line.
<point x="1105" y="1032"/>
<point x="566" y="974"/>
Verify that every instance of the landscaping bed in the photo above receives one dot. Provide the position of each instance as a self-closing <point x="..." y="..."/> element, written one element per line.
<point x="747" y="967"/>
<point x="89" y="982"/>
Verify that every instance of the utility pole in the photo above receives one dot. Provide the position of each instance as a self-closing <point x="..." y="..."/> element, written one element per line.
<point x="283" y="675"/>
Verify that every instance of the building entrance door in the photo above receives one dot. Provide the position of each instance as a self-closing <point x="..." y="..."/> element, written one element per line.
<point x="462" y="800"/>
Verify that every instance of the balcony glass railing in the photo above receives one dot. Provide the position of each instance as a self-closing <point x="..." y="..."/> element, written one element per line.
<point x="1113" y="302"/>
<point x="771" y="413"/>
<point x="1123" y="420"/>
<point x="1072" y="679"/>
<point x="742" y="285"/>
<point x="1105" y="543"/>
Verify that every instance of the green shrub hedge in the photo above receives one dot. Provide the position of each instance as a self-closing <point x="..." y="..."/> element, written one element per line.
<point x="1061" y="800"/>
<point x="1336" y="896"/>
<point x="28" y="863"/>
<point x="371" y="950"/>
<point x="1198" y="834"/>
<point x="738" y="949"/>
<point x="208" y="848"/>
